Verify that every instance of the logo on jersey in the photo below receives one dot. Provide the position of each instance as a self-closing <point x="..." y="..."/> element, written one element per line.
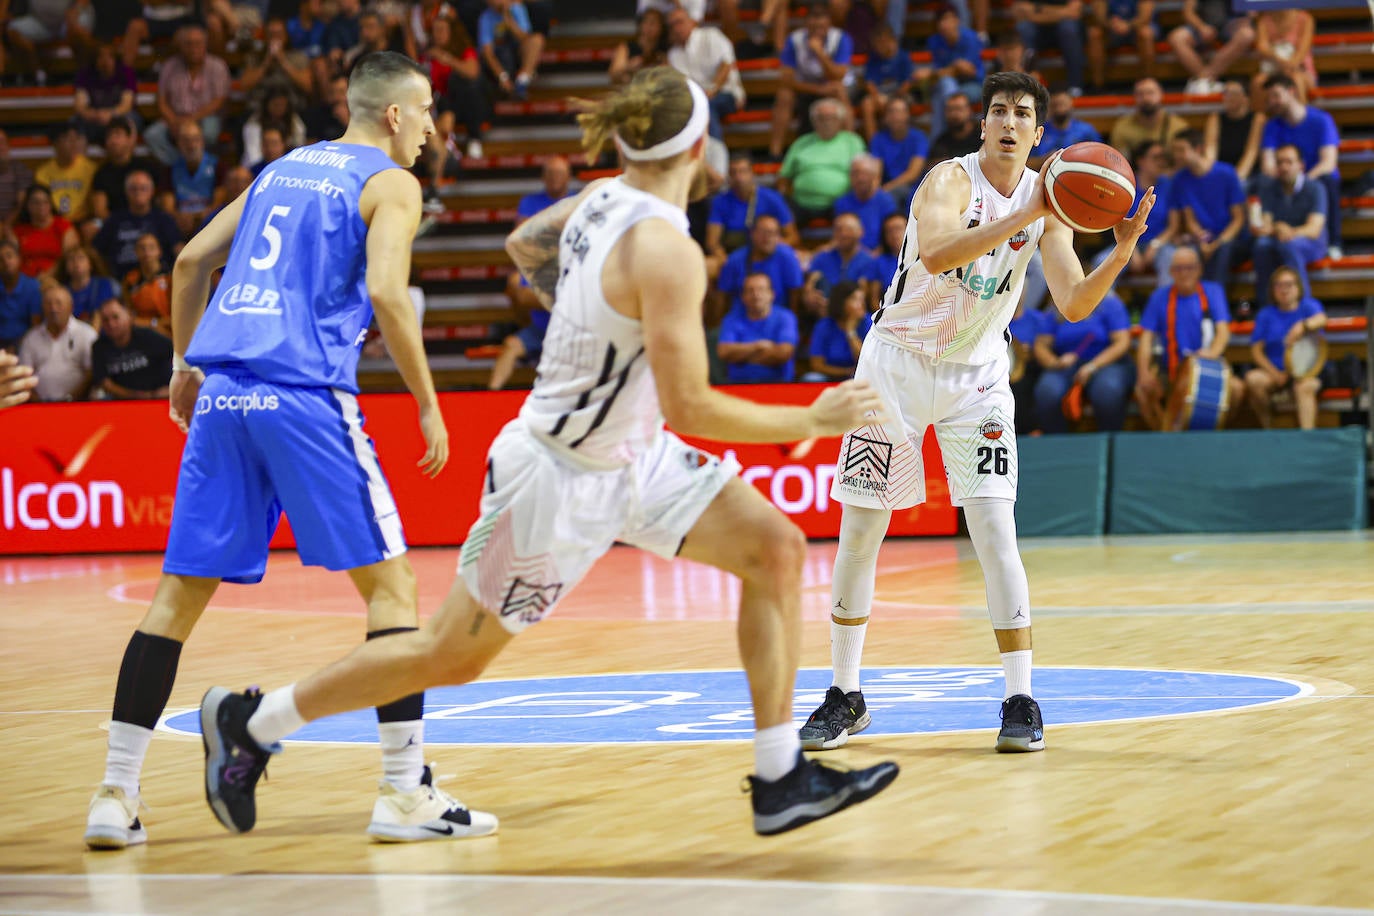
<point x="530" y="601"/>
<point x="992" y="429"/>
<point x="866" y="463"/>
<point x="1018" y="241"/>
<point x="251" y="299"/>
<point x="695" y="459"/>
<point x="264" y="182"/>
<point x="982" y="287"/>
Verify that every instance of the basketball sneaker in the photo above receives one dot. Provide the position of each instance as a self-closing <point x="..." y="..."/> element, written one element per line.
<point x="811" y="791"/>
<point x="1022" y="728"/>
<point x="428" y="813"/>
<point x="233" y="760"/>
<point x="113" y="821"/>
<point x="840" y="716"/>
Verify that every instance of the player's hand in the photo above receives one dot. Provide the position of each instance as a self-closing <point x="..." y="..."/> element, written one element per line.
<point x="436" y="441"/>
<point x="16" y="381"/>
<point x="1128" y="231"/>
<point x="846" y="406"/>
<point x="181" y="397"/>
<point x="1039" y="204"/>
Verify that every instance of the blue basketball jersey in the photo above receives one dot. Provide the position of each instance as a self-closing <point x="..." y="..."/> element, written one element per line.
<point x="292" y="307"/>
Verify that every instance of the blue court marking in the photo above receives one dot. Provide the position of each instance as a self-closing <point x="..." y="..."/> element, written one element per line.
<point x="681" y="706"/>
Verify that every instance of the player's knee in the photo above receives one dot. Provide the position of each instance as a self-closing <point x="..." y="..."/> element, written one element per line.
<point x="779" y="555"/>
<point x="448" y="665"/>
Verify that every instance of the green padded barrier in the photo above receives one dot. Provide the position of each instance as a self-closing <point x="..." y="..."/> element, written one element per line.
<point x="1243" y="480"/>
<point x="1063" y="485"/>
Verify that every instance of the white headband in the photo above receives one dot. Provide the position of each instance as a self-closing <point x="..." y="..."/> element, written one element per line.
<point x="679" y="142"/>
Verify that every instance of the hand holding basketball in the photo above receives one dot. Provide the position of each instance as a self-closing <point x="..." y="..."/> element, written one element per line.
<point x="1089" y="186"/>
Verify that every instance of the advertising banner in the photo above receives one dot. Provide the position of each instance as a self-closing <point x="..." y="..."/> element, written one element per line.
<point x="101" y="477"/>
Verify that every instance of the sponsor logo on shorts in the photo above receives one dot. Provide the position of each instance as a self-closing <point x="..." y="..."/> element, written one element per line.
<point x="866" y="463"/>
<point x="992" y="429"/>
<point x="530" y="601"/>
<point x="236" y="403"/>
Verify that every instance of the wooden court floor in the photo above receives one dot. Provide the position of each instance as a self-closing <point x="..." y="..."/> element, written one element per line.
<point x="1255" y="810"/>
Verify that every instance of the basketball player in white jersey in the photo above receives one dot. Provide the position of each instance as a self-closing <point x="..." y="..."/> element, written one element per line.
<point x="588" y="463"/>
<point x="938" y="355"/>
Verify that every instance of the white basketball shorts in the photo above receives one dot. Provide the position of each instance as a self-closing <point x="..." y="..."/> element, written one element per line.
<point x="972" y="410"/>
<point x="545" y="521"/>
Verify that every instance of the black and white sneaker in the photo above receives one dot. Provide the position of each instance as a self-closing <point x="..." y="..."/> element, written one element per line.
<point x="233" y="760"/>
<point x="428" y="813"/>
<point x="811" y="791"/>
<point x="1022" y="728"/>
<point x="831" y="725"/>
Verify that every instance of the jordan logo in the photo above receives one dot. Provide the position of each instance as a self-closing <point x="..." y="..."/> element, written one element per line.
<point x="410" y="742"/>
<point x="1019" y="613"/>
<point x="840" y="604"/>
<point x="529" y="599"/>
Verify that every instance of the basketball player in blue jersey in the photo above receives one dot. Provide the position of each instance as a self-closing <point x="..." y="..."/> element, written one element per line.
<point x="588" y="463"/>
<point x="320" y="240"/>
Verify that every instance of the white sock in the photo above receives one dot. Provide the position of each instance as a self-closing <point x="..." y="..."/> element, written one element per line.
<point x="846" y="651"/>
<point x="403" y="753"/>
<point x="1017" y="667"/>
<point x="775" y="751"/>
<point x="276" y="717"/>
<point x="124" y="753"/>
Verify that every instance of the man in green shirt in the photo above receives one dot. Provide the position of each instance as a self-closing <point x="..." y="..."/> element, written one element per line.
<point x="815" y="171"/>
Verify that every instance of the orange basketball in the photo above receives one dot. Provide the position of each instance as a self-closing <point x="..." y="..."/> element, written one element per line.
<point x="1090" y="187"/>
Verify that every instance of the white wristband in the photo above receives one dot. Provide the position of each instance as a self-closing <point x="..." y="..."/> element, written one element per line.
<point x="179" y="364"/>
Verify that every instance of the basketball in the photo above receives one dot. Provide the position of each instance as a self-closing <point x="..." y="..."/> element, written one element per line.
<point x="1090" y="187"/>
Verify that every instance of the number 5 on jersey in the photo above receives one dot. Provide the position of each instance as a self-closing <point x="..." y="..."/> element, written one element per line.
<point x="273" y="236"/>
<point x="253" y="298"/>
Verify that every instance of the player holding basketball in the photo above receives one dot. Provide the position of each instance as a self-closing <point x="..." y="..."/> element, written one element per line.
<point x="938" y="356"/>
<point x="588" y="463"/>
<point x="320" y="239"/>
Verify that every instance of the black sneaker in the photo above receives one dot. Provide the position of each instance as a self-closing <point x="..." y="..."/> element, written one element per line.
<point x="811" y="791"/>
<point x="233" y="760"/>
<point x="830" y="726"/>
<point x="1022" y="728"/>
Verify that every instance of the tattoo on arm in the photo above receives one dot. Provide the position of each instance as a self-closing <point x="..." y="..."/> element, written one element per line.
<point x="477" y="619"/>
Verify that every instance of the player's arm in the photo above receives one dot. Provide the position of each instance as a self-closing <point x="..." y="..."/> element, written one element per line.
<point x="670" y="310"/>
<point x="199" y="259"/>
<point x="939" y="205"/>
<point x="533" y="246"/>
<point x="1077" y="295"/>
<point x="392" y="197"/>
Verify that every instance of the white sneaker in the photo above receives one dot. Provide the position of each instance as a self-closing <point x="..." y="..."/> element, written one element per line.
<point x="427" y="813"/>
<point x="474" y="150"/>
<point x="1334" y="252"/>
<point x="1202" y="86"/>
<point x="113" y="821"/>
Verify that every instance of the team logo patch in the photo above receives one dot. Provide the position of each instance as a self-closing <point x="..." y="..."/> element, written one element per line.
<point x="695" y="459"/>
<point x="992" y="429"/>
<point x="1018" y="241"/>
<point x="530" y="600"/>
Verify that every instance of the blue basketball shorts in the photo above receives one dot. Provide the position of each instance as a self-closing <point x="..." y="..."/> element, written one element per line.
<point x="255" y="450"/>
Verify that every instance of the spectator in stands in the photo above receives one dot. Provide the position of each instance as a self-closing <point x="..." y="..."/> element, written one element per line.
<point x="372" y="36"/>
<point x="1314" y="133"/>
<point x="648" y="48"/>
<point x="525" y="345"/>
<point x="277" y="68"/>
<point x="884" y="265"/>
<point x="193" y="178"/>
<point x="15" y="176"/>
<point x="273" y="148"/>
<point x="42" y="234"/>
<point x="192" y="86"/>
<point x="236" y="181"/>
<point x="837" y="338"/>
<point x="815" y="66"/>
<point x="328" y="119"/>
<point x="341" y="34"/>
<point x="1210" y="24"/>
<point x="902" y="149"/>
<point x="858" y="19"/>
<point x="705" y="55"/>
<point x="149" y="287"/>
<point x="956" y="53"/>
<point x="1292" y="229"/>
<point x="129" y="362"/>
<point x="758" y="341"/>
<point x="1062" y="129"/>
<point x="1163" y="226"/>
<point x="1277" y="327"/>
<point x="888" y="74"/>
<point x="107" y="187"/>
<point x="843" y="259"/>
<point x="1054" y="24"/>
<point x="816" y="170"/>
<point x="1233" y="134"/>
<point x="1089" y="354"/>
<point x="766" y="253"/>
<point x="119" y="234"/>
<point x="509" y="45"/>
<point x="68" y="174"/>
<point x="165" y="18"/>
<point x="82" y="272"/>
<point x="557" y="175"/>
<point x="1190" y="316"/>
<point x="276" y="110"/>
<point x="104" y="93"/>
<point x="59" y="349"/>
<point x="21" y="300"/>
<point x="1149" y="120"/>
<point x="306" y="28"/>
<point x="1116" y="24"/>
<point x="121" y="23"/>
<point x="456" y="75"/>
<point x="1010" y="55"/>
<point x="961" y="132"/>
<point x="737" y="207"/>
<point x="1283" y="44"/>
<point x="419" y="24"/>
<point x="1211" y="204"/>
<point x="866" y="199"/>
<point x="44" y="22"/>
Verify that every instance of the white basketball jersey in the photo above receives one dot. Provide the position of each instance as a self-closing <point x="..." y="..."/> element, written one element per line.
<point x="962" y="315"/>
<point x="594" y="398"/>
